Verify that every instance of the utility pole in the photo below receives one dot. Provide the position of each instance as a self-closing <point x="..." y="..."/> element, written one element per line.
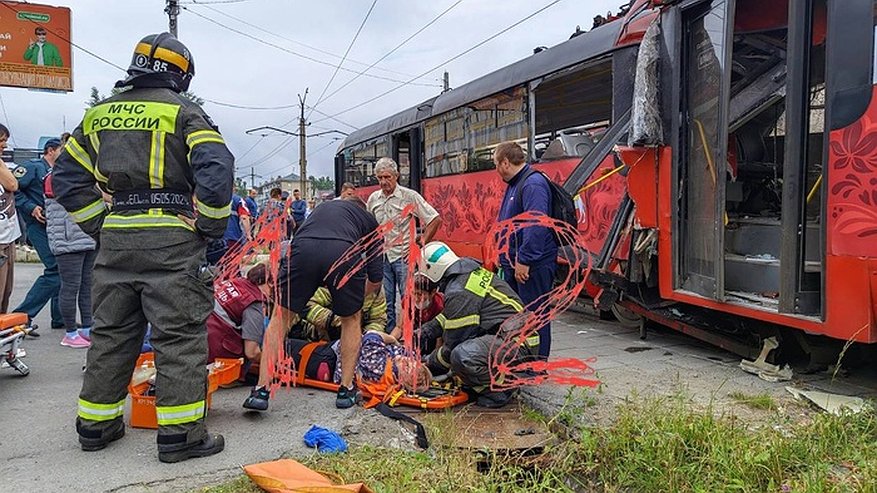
<point x="252" y="177"/>
<point x="172" y="10"/>
<point x="446" y="82"/>
<point x="302" y="138"/>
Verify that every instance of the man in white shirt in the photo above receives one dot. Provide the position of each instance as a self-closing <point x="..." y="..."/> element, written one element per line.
<point x="387" y="204"/>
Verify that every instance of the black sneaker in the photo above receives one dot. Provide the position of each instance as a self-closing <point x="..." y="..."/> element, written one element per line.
<point x="33" y="330"/>
<point x="346" y="398"/>
<point x="211" y="445"/>
<point x="494" y="400"/>
<point x="95" y="444"/>
<point x="258" y="399"/>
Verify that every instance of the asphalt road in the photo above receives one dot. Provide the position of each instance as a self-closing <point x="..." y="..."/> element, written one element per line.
<point x="39" y="450"/>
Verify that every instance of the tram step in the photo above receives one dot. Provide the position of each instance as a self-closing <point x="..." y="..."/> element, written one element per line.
<point x="762" y="236"/>
<point x="761" y="274"/>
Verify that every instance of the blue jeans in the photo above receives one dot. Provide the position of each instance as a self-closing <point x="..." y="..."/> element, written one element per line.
<point x="541" y="281"/>
<point x="46" y="287"/>
<point x="395" y="274"/>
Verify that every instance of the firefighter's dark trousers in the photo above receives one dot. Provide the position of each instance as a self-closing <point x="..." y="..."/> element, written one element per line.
<point x="168" y="288"/>
<point x="471" y="360"/>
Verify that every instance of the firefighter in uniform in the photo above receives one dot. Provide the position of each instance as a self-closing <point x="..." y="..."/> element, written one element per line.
<point x="170" y="176"/>
<point x="473" y="321"/>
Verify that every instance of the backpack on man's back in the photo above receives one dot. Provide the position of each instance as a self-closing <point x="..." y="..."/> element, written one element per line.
<point x="562" y="206"/>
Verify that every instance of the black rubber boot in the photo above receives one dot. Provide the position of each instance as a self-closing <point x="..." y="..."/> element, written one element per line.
<point x="211" y="445"/>
<point x="494" y="400"/>
<point x="258" y="399"/>
<point x="94" y="443"/>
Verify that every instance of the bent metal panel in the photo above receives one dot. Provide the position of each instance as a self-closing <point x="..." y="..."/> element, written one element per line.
<point x="35" y="46"/>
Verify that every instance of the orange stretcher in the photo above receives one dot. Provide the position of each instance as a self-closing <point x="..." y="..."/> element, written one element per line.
<point x="387" y="390"/>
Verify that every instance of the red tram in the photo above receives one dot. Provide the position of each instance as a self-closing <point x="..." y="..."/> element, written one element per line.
<point x="750" y="208"/>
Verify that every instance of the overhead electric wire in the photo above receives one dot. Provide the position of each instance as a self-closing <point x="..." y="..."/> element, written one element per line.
<point x="291" y="52"/>
<point x="261" y="138"/>
<point x="468" y="50"/>
<point x="245" y="107"/>
<point x="344" y="57"/>
<point x="286" y="142"/>
<point x="309" y="154"/>
<point x="319" y="50"/>
<point x="67" y="40"/>
<point x="409" y="38"/>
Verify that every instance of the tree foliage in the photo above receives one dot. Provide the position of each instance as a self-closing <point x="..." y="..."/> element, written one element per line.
<point x="322" y="183"/>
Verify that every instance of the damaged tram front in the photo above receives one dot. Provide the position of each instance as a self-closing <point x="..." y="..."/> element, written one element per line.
<point x="723" y="155"/>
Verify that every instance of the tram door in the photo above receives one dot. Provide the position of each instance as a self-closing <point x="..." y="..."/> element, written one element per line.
<point x="407" y="154"/>
<point x="706" y="51"/>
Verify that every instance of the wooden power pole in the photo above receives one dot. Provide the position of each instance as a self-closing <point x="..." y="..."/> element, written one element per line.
<point x="302" y="138"/>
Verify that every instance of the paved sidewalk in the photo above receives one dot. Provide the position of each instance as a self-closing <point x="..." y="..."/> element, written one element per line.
<point x="666" y="363"/>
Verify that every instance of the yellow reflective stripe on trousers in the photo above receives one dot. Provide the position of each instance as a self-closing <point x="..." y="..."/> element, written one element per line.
<point x="504" y="299"/>
<point x="213" y="212"/>
<point x="202" y="137"/>
<point x="532" y="341"/>
<point x="78" y="153"/>
<point x="139" y="221"/>
<point x="457" y="323"/>
<point x="156" y="160"/>
<point x="177" y="415"/>
<point x="100" y="412"/>
<point x="90" y="211"/>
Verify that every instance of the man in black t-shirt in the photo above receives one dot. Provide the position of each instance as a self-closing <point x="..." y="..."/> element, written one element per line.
<point x="327" y="235"/>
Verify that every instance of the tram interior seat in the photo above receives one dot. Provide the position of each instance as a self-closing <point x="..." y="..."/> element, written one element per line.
<point x="565" y="146"/>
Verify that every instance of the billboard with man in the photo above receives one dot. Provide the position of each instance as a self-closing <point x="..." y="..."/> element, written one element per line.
<point x="35" y="46"/>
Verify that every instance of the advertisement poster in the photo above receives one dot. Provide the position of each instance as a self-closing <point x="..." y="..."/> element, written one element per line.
<point x="35" y="46"/>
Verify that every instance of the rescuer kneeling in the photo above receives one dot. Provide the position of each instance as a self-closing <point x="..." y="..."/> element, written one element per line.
<point x="473" y="322"/>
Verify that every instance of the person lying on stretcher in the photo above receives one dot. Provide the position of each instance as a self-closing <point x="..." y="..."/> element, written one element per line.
<point x="377" y="350"/>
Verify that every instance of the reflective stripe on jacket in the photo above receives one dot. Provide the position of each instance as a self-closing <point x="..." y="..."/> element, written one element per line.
<point x="146" y="139"/>
<point x="476" y="303"/>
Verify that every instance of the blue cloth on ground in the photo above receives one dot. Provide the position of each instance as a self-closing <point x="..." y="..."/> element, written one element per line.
<point x="325" y="440"/>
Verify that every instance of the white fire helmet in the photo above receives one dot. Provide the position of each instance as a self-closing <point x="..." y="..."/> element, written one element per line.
<point x="437" y="257"/>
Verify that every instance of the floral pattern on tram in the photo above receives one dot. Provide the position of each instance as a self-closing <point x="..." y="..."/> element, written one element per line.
<point x="853" y="186"/>
<point x="469" y="203"/>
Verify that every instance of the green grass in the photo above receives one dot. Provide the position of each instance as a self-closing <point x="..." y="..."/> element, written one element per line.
<point x="763" y="402"/>
<point x="655" y="444"/>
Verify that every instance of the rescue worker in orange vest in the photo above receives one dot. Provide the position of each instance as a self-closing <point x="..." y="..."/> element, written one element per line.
<point x="161" y="158"/>
<point x="236" y="326"/>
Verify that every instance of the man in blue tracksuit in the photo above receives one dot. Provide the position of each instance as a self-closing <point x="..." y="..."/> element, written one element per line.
<point x="531" y="263"/>
<point x="299" y="208"/>
<point x="30" y="204"/>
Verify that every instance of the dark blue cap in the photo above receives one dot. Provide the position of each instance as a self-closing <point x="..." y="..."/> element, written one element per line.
<point x="51" y="144"/>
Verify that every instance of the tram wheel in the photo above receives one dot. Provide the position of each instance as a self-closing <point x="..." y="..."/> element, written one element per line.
<point x="628" y="318"/>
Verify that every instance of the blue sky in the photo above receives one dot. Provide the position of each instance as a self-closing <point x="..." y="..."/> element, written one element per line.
<point x="236" y="69"/>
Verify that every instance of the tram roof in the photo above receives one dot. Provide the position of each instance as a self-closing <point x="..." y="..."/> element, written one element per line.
<point x="576" y="50"/>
